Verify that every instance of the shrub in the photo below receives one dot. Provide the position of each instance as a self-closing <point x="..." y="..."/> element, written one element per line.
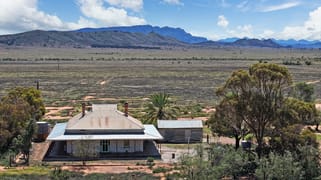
<point x="308" y="63"/>
<point x="150" y="160"/>
<point x="160" y="170"/>
<point x="278" y="167"/>
<point x="58" y="174"/>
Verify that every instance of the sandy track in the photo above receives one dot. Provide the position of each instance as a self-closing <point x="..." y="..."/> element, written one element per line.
<point x="52" y="112"/>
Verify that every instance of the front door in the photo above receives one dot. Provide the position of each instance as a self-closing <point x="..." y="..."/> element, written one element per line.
<point x="104" y="146"/>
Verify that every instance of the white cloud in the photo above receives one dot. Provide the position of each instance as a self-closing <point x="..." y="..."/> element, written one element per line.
<point x="23" y="15"/>
<point x="222" y="21"/>
<point x="109" y="16"/>
<point x="174" y="2"/>
<point x="209" y="35"/>
<point x="242" y="31"/>
<point x="280" y="6"/>
<point x="244" y="6"/>
<point x="311" y="29"/>
<point x="267" y="34"/>
<point x="135" y="5"/>
<point x="224" y="4"/>
<point x="247" y="29"/>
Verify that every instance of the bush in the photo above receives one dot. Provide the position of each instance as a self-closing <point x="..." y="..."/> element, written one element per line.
<point x="4" y="159"/>
<point x="308" y="63"/>
<point x="58" y="174"/>
<point x="291" y="62"/>
<point x="278" y="167"/>
<point x="160" y="170"/>
<point x="133" y="175"/>
<point x="174" y="176"/>
<point x="150" y="160"/>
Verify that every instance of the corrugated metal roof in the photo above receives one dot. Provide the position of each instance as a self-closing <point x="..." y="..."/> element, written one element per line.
<point x="179" y="124"/>
<point x="57" y="134"/>
<point x="57" y="131"/>
<point x="104" y="117"/>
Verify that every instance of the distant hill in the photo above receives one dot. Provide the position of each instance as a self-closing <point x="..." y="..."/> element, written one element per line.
<point x="291" y="43"/>
<point x="298" y="43"/>
<point x="211" y="44"/>
<point x="40" y="38"/>
<point x="143" y="36"/>
<point x="245" y="42"/>
<point x="256" y="43"/>
<point x="176" y="33"/>
<point x="228" y="40"/>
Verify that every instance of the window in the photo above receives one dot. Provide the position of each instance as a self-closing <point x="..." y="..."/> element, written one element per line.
<point x="126" y="143"/>
<point x="104" y="145"/>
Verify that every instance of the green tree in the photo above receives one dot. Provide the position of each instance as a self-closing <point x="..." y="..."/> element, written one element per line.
<point x="290" y="138"/>
<point x="85" y="149"/>
<point x="159" y="108"/>
<point x="22" y="143"/>
<point x="303" y="91"/>
<point x="17" y="108"/>
<point x="226" y="121"/>
<point x="309" y="158"/>
<point x="295" y="111"/>
<point x="14" y="116"/>
<point x="259" y="93"/>
<point x="278" y="167"/>
<point x="32" y="96"/>
<point x="218" y="162"/>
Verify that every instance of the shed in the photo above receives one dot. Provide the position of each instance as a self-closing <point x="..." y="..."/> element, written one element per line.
<point x="181" y="131"/>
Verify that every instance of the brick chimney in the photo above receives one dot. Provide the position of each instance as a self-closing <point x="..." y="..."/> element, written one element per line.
<point x="126" y="109"/>
<point x="83" y="109"/>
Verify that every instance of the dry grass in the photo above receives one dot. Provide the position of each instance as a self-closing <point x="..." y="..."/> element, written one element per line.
<point x="68" y="76"/>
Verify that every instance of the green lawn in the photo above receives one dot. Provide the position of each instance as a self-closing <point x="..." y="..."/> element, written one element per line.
<point x="46" y="173"/>
<point x="33" y="170"/>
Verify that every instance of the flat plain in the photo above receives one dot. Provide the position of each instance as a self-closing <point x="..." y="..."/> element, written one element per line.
<point x="190" y="75"/>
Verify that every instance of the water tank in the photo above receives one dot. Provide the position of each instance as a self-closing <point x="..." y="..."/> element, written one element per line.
<point x="246" y="144"/>
<point x="42" y="130"/>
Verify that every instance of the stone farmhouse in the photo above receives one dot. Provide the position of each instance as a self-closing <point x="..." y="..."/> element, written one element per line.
<point x="102" y="132"/>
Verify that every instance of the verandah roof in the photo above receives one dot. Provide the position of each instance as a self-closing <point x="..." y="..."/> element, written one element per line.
<point x="58" y="134"/>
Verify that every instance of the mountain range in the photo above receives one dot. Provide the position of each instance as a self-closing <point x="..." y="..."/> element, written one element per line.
<point x="176" y="33"/>
<point x="112" y="39"/>
<point x="291" y="43"/>
<point x="142" y="36"/>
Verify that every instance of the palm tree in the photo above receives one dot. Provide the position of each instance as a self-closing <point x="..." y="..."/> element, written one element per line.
<point x="159" y="107"/>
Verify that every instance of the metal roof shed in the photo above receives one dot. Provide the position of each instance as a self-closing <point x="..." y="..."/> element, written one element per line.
<point x="181" y="131"/>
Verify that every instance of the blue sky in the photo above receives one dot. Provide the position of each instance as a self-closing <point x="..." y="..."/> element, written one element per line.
<point x="214" y="19"/>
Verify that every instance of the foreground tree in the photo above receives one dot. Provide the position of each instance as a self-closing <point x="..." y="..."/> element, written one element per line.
<point x="85" y="149"/>
<point x="31" y="96"/>
<point x="14" y="116"/>
<point x="17" y="109"/>
<point x="22" y="143"/>
<point x="159" y="108"/>
<point x="279" y="167"/>
<point x="309" y="158"/>
<point x="259" y="94"/>
<point x="303" y="91"/>
<point x="290" y="138"/>
<point x="226" y="121"/>
<point x="223" y="162"/>
<point x="217" y="163"/>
